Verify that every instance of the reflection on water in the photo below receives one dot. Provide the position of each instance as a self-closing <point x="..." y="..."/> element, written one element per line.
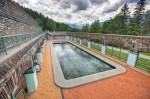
<point x="76" y="62"/>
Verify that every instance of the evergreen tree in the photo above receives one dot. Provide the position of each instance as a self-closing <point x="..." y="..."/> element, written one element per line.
<point x="147" y="23"/>
<point x="117" y="25"/>
<point x="46" y="23"/>
<point x="95" y="26"/>
<point x="124" y="18"/>
<point x="86" y="28"/>
<point x="137" y="21"/>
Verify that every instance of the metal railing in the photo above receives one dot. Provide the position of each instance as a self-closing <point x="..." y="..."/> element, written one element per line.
<point x="21" y="95"/>
<point x="119" y="53"/>
<point x="11" y="41"/>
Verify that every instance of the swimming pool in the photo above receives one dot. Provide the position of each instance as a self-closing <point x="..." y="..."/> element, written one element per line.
<point x="74" y="65"/>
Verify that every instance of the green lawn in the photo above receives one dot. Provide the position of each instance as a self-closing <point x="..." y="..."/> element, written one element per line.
<point x="114" y="53"/>
<point x="145" y="53"/>
<point x="141" y="63"/>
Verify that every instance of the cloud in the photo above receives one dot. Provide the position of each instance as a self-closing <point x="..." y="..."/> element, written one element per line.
<point x="79" y="11"/>
<point x="98" y="1"/>
<point x="81" y="4"/>
<point x="65" y="4"/>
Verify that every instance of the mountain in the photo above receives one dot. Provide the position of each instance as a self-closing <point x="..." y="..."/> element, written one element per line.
<point x="76" y="26"/>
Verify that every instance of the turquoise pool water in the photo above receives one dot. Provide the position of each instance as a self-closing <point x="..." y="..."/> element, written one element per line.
<point x="76" y="62"/>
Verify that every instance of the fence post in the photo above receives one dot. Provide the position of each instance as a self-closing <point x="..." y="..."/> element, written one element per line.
<point x="137" y="59"/>
<point x="112" y="50"/>
<point x="75" y="39"/>
<point x="99" y="46"/>
<point x="3" y="38"/>
<point x="132" y="58"/>
<point x="119" y="53"/>
<point x="81" y="41"/>
<point x="89" y="44"/>
<point x="104" y="48"/>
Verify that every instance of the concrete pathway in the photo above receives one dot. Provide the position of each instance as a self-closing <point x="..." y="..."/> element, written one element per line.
<point x="46" y="88"/>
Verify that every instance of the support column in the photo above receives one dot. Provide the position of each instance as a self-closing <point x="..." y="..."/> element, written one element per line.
<point x="132" y="58"/>
<point x="75" y="39"/>
<point x="37" y="66"/>
<point x="71" y="38"/>
<point x="81" y="41"/>
<point x="39" y="56"/>
<point x="67" y="38"/>
<point x="104" y="48"/>
<point x="42" y="48"/>
<point x="89" y="44"/>
<point x="31" y="79"/>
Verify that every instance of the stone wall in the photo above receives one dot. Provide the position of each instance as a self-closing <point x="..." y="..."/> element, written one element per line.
<point x="13" y="20"/>
<point x="12" y="69"/>
<point x="12" y="27"/>
<point x="136" y="43"/>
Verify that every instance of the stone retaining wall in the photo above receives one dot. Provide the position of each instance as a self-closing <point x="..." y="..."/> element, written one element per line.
<point x="12" y="27"/>
<point x="136" y="43"/>
<point x="13" y="20"/>
<point x="12" y="69"/>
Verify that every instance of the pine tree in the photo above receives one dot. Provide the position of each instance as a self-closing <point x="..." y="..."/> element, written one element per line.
<point x="95" y="26"/>
<point x="147" y="23"/>
<point x="86" y="28"/>
<point x="137" y="20"/>
<point x="124" y="18"/>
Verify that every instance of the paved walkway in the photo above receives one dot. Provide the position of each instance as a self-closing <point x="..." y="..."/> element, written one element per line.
<point x="130" y="85"/>
<point x="46" y="88"/>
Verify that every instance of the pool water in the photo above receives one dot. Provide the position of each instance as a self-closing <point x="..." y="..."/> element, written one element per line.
<point x="77" y="63"/>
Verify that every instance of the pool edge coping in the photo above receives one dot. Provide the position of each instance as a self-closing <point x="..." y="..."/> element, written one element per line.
<point x="63" y="83"/>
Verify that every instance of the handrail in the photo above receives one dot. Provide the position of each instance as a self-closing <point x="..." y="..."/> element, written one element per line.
<point x="22" y="90"/>
<point x="10" y="41"/>
<point x="18" y="34"/>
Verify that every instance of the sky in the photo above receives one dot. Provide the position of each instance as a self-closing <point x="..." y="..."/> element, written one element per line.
<point x="79" y="12"/>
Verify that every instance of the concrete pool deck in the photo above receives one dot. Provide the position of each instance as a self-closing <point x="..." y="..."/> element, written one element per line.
<point x="130" y="85"/>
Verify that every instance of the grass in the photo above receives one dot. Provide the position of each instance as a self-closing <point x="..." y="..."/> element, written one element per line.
<point x="114" y="53"/>
<point x="141" y="62"/>
<point x="145" y="53"/>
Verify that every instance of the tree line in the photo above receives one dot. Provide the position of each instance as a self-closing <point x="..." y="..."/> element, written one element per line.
<point x="46" y="23"/>
<point x="124" y="23"/>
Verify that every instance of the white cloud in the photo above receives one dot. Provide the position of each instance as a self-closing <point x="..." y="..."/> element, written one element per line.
<point x="79" y="11"/>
